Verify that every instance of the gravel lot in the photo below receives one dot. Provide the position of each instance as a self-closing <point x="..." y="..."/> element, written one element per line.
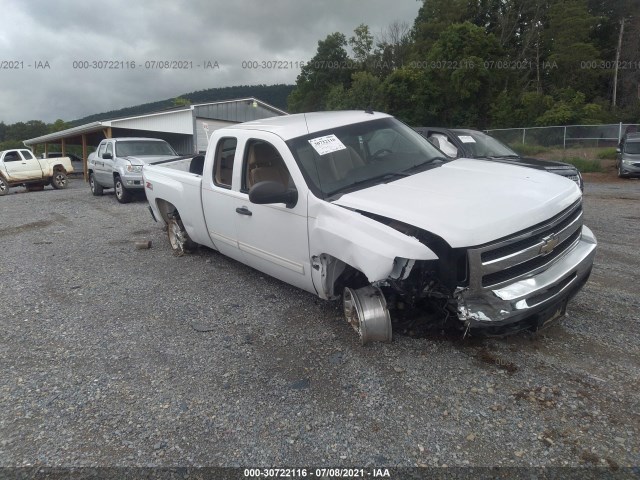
<point x="114" y="356"/>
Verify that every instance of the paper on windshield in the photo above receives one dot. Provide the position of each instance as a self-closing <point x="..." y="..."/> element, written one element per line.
<point x="466" y="139"/>
<point x="327" y="144"/>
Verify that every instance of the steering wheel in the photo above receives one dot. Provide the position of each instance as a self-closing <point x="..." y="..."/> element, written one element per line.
<point x="380" y="154"/>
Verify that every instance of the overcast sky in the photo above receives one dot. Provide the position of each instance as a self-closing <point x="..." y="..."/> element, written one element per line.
<point x="202" y="32"/>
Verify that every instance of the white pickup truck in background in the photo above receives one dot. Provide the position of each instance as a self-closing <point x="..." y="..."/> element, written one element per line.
<point x="358" y="205"/>
<point x="21" y="167"/>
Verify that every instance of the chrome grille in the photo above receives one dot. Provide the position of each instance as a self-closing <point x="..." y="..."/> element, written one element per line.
<point x="575" y="178"/>
<point x="525" y="253"/>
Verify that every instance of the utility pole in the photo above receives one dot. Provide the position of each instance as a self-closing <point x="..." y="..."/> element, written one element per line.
<point x="615" y="74"/>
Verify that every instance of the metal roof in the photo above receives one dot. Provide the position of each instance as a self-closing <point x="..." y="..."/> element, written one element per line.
<point x="176" y="120"/>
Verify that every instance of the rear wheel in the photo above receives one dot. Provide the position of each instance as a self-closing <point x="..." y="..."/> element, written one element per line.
<point x="179" y="238"/>
<point x="59" y="180"/>
<point x="122" y="194"/>
<point x="4" y="187"/>
<point x="96" y="188"/>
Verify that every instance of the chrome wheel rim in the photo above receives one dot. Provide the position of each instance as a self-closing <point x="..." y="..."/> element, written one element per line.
<point x="119" y="189"/>
<point x="60" y="180"/>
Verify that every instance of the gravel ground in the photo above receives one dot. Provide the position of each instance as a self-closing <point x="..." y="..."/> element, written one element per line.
<point x="114" y="356"/>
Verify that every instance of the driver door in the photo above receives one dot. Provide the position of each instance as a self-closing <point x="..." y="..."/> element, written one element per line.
<point x="272" y="238"/>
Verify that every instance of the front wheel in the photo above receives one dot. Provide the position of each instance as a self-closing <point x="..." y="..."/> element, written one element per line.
<point x="96" y="188"/>
<point x="179" y="238"/>
<point x="4" y="187"/>
<point x="122" y="194"/>
<point x="620" y="174"/>
<point x="59" y="180"/>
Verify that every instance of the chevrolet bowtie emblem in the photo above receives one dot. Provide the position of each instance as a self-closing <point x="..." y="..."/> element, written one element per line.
<point x="549" y="243"/>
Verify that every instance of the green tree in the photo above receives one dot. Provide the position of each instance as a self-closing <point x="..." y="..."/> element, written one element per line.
<point x="365" y="92"/>
<point x="568" y="34"/>
<point x="461" y="69"/>
<point x="434" y="17"/>
<point x="181" y="102"/>
<point x="58" y="126"/>
<point x="328" y="67"/>
<point x="362" y="44"/>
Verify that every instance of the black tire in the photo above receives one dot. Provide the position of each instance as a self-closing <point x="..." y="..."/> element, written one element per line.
<point x="122" y="194"/>
<point x="4" y="187"/>
<point x="96" y="188"/>
<point x="620" y="174"/>
<point x="59" y="180"/>
<point x="179" y="238"/>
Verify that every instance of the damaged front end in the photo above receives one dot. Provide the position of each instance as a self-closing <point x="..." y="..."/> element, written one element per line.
<point x="520" y="282"/>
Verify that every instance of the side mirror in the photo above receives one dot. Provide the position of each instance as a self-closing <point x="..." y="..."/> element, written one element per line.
<point x="273" y="192"/>
<point x="107" y="156"/>
<point x="618" y="150"/>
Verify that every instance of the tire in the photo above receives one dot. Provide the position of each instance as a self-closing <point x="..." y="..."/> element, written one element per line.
<point x="620" y="174"/>
<point x="122" y="194"/>
<point x="96" y="188"/>
<point x="4" y="187"/>
<point x="179" y="238"/>
<point x="59" y="180"/>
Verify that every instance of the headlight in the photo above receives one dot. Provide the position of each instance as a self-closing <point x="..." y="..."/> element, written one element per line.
<point x="134" y="168"/>
<point x="626" y="161"/>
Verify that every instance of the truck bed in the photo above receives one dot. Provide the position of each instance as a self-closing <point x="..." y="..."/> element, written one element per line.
<point x="171" y="186"/>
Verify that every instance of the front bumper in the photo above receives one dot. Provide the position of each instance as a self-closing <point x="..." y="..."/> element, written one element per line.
<point x="132" y="181"/>
<point x="630" y="169"/>
<point x="531" y="302"/>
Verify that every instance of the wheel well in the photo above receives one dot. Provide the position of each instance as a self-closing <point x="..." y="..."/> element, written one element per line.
<point x="337" y="274"/>
<point x="166" y="209"/>
<point x="58" y="168"/>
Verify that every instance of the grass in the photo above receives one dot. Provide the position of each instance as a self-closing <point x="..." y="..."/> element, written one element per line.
<point x="584" y="165"/>
<point x="528" y="150"/>
<point x="607" y="153"/>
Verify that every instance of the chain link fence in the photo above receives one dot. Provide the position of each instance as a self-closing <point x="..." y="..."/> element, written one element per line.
<point x="566" y="136"/>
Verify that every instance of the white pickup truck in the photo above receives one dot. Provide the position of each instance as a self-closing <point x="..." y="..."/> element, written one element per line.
<point x="358" y="205"/>
<point x="21" y="167"/>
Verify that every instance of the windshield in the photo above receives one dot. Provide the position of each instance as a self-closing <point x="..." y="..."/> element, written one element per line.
<point x="360" y="155"/>
<point x="140" y="148"/>
<point x="481" y="145"/>
<point x="632" y="147"/>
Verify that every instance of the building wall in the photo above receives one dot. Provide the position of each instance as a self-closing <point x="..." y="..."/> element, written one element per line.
<point x="243" y="111"/>
<point x="177" y="122"/>
<point x="181" y="143"/>
<point x="201" y="134"/>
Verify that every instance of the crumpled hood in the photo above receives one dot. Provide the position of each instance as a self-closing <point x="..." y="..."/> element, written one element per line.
<point x="147" y="159"/>
<point x="469" y="202"/>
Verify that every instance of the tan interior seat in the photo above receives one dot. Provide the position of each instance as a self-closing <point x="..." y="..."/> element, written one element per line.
<point x="264" y="163"/>
<point x="343" y="161"/>
<point x="224" y="174"/>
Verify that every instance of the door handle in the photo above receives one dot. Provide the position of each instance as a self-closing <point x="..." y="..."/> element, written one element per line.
<point x="244" y="211"/>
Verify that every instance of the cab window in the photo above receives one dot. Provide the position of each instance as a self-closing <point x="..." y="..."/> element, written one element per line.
<point x="12" y="157"/>
<point x="223" y="162"/>
<point x="27" y="154"/>
<point x="109" y="148"/>
<point x="263" y="162"/>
